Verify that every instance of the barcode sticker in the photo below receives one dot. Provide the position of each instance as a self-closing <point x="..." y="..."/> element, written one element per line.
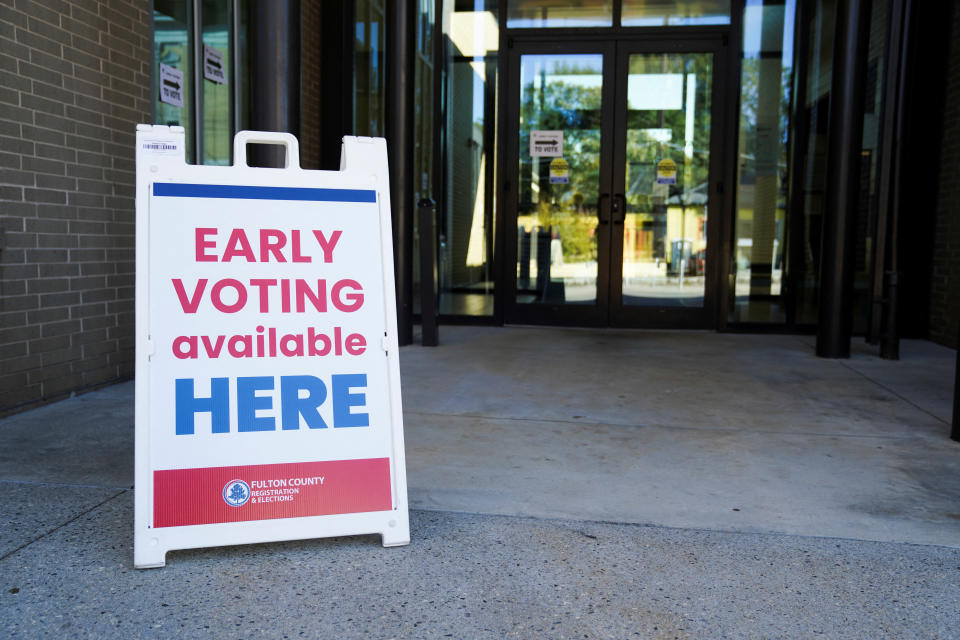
<point x="165" y="147"/>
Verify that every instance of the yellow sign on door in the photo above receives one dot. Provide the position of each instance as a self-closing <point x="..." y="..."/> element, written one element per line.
<point x="559" y="171"/>
<point x="666" y="171"/>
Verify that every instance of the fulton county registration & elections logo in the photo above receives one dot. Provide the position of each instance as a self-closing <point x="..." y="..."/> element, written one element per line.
<point x="236" y="493"/>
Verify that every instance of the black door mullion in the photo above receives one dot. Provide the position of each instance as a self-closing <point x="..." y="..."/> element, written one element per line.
<point x="720" y="214"/>
<point x="606" y="235"/>
<point x="619" y="176"/>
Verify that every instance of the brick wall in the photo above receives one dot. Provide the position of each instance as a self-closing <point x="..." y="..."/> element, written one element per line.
<point x="74" y="82"/>
<point x="945" y="284"/>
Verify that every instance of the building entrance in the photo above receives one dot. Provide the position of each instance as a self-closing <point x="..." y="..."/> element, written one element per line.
<point x="611" y="182"/>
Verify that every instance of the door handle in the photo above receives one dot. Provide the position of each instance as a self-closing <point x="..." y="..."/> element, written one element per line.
<point x="619" y="206"/>
<point x="602" y="213"/>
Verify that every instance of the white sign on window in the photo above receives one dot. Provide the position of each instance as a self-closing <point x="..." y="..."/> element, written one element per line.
<point x="171" y="85"/>
<point x="213" y="65"/>
<point x="546" y="144"/>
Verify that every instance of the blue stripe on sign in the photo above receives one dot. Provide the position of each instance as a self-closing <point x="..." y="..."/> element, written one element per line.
<point x="244" y="192"/>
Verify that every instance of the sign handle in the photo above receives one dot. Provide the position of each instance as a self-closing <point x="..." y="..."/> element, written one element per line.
<point x="286" y="140"/>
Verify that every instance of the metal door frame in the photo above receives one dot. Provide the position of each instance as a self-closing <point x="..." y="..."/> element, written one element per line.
<point x="616" y="45"/>
<point x="596" y="315"/>
<point x="674" y="317"/>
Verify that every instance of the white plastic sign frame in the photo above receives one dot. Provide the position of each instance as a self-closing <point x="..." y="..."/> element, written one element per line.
<point x="268" y="402"/>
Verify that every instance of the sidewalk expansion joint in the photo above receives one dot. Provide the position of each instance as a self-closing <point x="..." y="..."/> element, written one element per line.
<point x="576" y="525"/>
<point x="859" y="436"/>
<point x="62" y="525"/>
<point x="35" y="483"/>
<point x="891" y="391"/>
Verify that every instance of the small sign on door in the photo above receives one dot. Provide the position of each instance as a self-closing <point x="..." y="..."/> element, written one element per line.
<point x="171" y="85"/>
<point x="666" y="171"/>
<point x="546" y="144"/>
<point x="559" y="171"/>
<point x="213" y="65"/>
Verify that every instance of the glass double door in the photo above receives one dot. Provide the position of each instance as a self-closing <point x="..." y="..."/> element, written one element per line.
<point x="611" y="183"/>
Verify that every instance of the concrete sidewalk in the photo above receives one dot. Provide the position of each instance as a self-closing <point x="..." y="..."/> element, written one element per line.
<point x="685" y="429"/>
<point x="565" y="483"/>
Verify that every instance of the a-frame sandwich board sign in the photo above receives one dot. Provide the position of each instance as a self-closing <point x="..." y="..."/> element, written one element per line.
<point x="267" y="377"/>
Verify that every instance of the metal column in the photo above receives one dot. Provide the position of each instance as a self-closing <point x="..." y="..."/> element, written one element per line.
<point x="835" y="325"/>
<point x="275" y="72"/>
<point x="400" y="141"/>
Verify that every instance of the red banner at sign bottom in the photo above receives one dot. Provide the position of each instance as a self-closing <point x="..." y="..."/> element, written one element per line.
<point x="265" y="492"/>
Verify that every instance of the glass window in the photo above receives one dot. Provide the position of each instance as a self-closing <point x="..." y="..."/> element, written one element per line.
<point x="369" y="72"/>
<point x="466" y="218"/>
<point x="524" y="14"/>
<point x="424" y="127"/>
<point x="241" y="77"/>
<point x="667" y="179"/>
<point x="560" y="102"/>
<point x="217" y="139"/>
<point x="654" y="13"/>
<point x="173" y="66"/>
<point x="196" y="84"/>
<point x="812" y="136"/>
<point x="869" y="167"/>
<point x="757" y="264"/>
<point x="424" y="101"/>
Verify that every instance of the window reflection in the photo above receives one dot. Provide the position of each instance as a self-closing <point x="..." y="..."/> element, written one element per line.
<point x="524" y="14"/>
<point x="813" y="135"/>
<point x="869" y="164"/>
<point x="466" y="221"/>
<point x="369" y="79"/>
<point x="172" y="20"/>
<point x="655" y="13"/>
<point x="196" y="82"/>
<point x="425" y="124"/>
<point x="667" y="179"/>
<point x="758" y="261"/>
<point x="217" y="80"/>
<point x="558" y="190"/>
